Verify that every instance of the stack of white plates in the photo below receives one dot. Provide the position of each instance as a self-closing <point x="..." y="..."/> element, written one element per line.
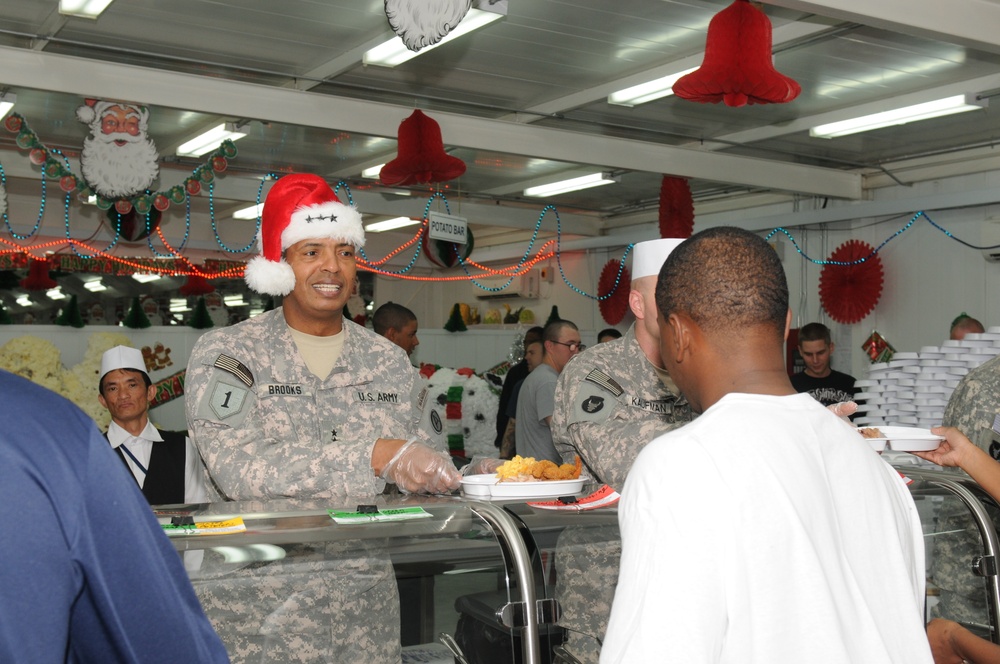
<point x="913" y="389"/>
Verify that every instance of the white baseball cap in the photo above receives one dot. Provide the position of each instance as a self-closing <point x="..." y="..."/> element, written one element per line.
<point x="648" y="257"/>
<point x="122" y="357"/>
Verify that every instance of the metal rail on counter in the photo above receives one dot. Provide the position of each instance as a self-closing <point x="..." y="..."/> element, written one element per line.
<point x="986" y="565"/>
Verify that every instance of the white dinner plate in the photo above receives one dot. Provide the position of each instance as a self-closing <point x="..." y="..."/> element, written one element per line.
<point x="905" y="439"/>
<point x="488" y="486"/>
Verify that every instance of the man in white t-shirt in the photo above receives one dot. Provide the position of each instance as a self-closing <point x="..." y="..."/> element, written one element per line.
<point x="766" y="530"/>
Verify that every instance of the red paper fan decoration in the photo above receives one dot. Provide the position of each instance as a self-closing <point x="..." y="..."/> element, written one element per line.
<point x="850" y="292"/>
<point x="738" y="67"/>
<point x="676" y="208"/>
<point x="613" y="308"/>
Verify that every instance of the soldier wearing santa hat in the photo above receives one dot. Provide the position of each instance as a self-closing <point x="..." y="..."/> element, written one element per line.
<point x="300" y="402"/>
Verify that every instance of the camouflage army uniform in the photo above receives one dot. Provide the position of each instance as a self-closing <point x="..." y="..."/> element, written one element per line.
<point x="267" y="428"/>
<point x="609" y="404"/>
<point x="971" y="410"/>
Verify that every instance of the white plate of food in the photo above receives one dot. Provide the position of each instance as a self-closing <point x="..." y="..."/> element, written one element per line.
<point x="900" y="439"/>
<point x="489" y="486"/>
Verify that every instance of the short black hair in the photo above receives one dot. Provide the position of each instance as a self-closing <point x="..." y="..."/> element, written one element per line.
<point x="609" y="332"/>
<point x="724" y="279"/>
<point x="533" y="334"/>
<point x="391" y="315"/>
<point x="145" y="379"/>
<point x="815" y="332"/>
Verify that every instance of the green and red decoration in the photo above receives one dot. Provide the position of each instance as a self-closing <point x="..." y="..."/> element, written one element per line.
<point x="447" y="254"/>
<point x="54" y="167"/>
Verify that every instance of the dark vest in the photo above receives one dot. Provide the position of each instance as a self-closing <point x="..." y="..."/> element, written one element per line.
<point x="164" y="483"/>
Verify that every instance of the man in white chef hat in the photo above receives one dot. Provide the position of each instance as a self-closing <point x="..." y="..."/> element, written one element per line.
<point x="611" y="400"/>
<point x="616" y="396"/>
<point x="165" y="464"/>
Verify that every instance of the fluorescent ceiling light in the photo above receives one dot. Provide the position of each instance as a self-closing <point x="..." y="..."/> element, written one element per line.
<point x="391" y="224"/>
<point x="55" y="294"/>
<point x="95" y="286"/>
<point x="394" y="51"/>
<point x="574" y="184"/>
<point x="644" y="92"/>
<point x="925" y="111"/>
<point x="372" y="172"/>
<point x="210" y="140"/>
<point x="83" y="8"/>
<point x="234" y="301"/>
<point x="145" y="278"/>
<point x="7" y="101"/>
<point x="252" y="212"/>
<point x="24" y="300"/>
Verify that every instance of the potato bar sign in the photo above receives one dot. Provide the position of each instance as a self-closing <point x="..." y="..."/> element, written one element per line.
<point x="448" y="228"/>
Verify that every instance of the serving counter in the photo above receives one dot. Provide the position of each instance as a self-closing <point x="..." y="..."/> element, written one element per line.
<point x="478" y="582"/>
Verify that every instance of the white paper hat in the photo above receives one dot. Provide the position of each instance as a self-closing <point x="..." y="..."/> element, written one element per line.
<point x="122" y="357"/>
<point x="648" y="257"/>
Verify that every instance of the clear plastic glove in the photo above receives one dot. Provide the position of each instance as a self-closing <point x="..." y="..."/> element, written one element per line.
<point x="844" y="409"/>
<point x="419" y="468"/>
<point x="482" y="466"/>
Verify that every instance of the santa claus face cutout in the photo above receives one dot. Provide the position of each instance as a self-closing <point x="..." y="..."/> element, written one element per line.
<point x="118" y="160"/>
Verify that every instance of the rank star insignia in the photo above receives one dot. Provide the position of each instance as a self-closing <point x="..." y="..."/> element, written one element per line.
<point x="592" y="404"/>
<point x="333" y="435"/>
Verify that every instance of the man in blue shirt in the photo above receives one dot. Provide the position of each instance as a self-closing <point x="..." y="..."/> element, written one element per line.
<point x="87" y="573"/>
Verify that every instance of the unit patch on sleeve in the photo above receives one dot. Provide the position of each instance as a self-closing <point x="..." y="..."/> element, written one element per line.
<point x="227" y="400"/>
<point x="235" y="367"/>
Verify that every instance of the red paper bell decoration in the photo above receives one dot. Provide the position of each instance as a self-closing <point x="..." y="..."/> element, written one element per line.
<point x="38" y="278"/>
<point x="738" y="69"/>
<point x="196" y="285"/>
<point x="676" y="208"/>
<point x="421" y="157"/>
<point x="613" y="308"/>
<point x="850" y="292"/>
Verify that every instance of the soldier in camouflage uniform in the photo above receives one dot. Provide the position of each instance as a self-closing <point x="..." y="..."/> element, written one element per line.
<point x="300" y="402"/>
<point x="614" y="398"/>
<point x="611" y="400"/>
<point x="971" y="409"/>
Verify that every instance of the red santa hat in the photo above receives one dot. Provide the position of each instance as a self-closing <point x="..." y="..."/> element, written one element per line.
<point x="94" y="109"/>
<point x="298" y="207"/>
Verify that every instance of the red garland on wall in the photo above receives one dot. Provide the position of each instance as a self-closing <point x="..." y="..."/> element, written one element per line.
<point x="676" y="207"/>
<point x="614" y="307"/>
<point x="850" y="292"/>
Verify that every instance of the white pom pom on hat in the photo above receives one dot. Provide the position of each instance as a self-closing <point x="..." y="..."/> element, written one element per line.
<point x="299" y="207"/>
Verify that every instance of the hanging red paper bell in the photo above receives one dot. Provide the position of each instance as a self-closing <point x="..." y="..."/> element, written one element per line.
<point x="196" y="285"/>
<point x="421" y="156"/>
<point x="38" y="278"/>
<point x="738" y="68"/>
<point x="615" y="306"/>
